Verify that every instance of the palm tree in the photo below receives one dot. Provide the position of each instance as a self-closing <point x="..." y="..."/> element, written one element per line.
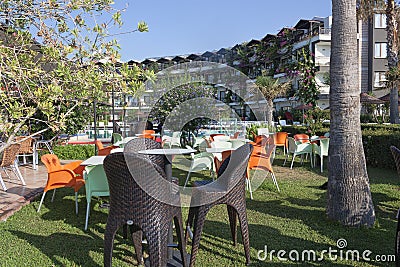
<point x="349" y="195"/>
<point x="271" y="88"/>
<point x="366" y="10"/>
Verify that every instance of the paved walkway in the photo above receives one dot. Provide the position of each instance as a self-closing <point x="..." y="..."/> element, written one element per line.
<point x="18" y="195"/>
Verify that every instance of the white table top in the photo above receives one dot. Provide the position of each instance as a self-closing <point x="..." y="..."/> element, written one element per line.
<point x="218" y="149"/>
<point x="116" y="150"/>
<point x="94" y="160"/>
<point x="167" y="151"/>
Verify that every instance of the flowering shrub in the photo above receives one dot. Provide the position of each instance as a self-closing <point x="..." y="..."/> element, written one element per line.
<point x="308" y="91"/>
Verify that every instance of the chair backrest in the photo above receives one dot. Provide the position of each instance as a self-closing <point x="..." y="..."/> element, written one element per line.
<point x="134" y="183"/>
<point x="95" y="180"/>
<point x="221" y="138"/>
<point x="223" y="144"/>
<point x="135" y="145"/>
<point x="262" y="131"/>
<point x="148" y="134"/>
<point x="304" y="138"/>
<point x="237" y="143"/>
<point x="280" y="138"/>
<point x="9" y="155"/>
<point x="233" y="168"/>
<point x="213" y="135"/>
<point x="99" y="144"/>
<point x="51" y="162"/>
<point x="116" y="137"/>
<point x="26" y="145"/>
<point x="324" y="145"/>
<point x="291" y="144"/>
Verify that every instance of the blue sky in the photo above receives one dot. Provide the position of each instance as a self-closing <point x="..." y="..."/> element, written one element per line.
<point x="182" y="27"/>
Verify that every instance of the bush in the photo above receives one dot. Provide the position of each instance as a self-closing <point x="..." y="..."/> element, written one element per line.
<point x="74" y="151"/>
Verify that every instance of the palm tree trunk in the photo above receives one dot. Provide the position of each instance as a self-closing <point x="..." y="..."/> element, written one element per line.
<point x="392" y="56"/>
<point x="349" y="195"/>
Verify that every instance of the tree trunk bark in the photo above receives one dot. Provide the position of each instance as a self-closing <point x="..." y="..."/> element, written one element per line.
<point x="392" y="56"/>
<point x="349" y="195"/>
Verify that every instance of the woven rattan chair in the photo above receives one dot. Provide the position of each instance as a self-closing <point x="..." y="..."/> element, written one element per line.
<point x="26" y="149"/>
<point x="9" y="161"/>
<point x="130" y="204"/>
<point x="138" y="144"/>
<point x="228" y="189"/>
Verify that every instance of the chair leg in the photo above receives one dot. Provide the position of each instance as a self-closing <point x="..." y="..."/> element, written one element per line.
<point x="18" y="173"/>
<point x="137" y="237"/>
<point x="287" y="155"/>
<point x="187" y="178"/>
<point x="181" y="240"/>
<point x="76" y="203"/>
<point x="87" y="214"/>
<point x="244" y="226"/>
<point x="291" y="165"/>
<point x="189" y="223"/>
<point x="199" y="220"/>
<point x="109" y="235"/>
<point x="157" y="245"/>
<point x="322" y="163"/>
<point x="2" y="183"/>
<point x="274" y="180"/>
<point x="232" y="223"/>
<point x="248" y="185"/>
<point x="41" y="201"/>
<point x="54" y="194"/>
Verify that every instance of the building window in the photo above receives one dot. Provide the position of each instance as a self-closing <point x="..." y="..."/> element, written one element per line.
<point x="380" y="21"/>
<point x="380" y="50"/>
<point x="379" y="79"/>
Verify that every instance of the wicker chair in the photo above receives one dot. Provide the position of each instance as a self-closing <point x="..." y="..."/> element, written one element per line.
<point x="228" y="189"/>
<point x="130" y="204"/>
<point x="138" y="144"/>
<point x="9" y="161"/>
<point x="26" y="149"/>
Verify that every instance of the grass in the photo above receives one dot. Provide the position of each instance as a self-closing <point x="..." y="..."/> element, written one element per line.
<point x="293" y="219"/>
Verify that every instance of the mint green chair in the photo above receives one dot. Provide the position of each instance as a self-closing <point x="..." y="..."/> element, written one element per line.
<point x="96" y="184"/>
<point x="116" y="137"/>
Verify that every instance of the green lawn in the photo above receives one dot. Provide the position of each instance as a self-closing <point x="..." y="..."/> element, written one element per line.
<point x="293" y="219"/>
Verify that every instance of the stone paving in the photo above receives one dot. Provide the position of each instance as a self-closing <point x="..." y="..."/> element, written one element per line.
<point x="18" y="195"/>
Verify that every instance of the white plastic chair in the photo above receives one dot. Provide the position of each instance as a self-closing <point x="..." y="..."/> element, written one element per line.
<point x="200" y="162"/>
<point x="321" y="150"/>
<point x="298" y="148"/>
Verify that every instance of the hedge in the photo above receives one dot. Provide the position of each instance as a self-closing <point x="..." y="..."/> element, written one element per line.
<point x="74" y="151"/>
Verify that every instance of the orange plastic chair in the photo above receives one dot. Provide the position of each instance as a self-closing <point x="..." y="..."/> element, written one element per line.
<point x="103" y="151"/>
<point x="59" y="176"/>
<point x="280" y="139"/>
<point x="148" y="134"/>
<point x="260" y="158"/>
<point x="218" y="163"/>
<point x="303" y="138"/>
